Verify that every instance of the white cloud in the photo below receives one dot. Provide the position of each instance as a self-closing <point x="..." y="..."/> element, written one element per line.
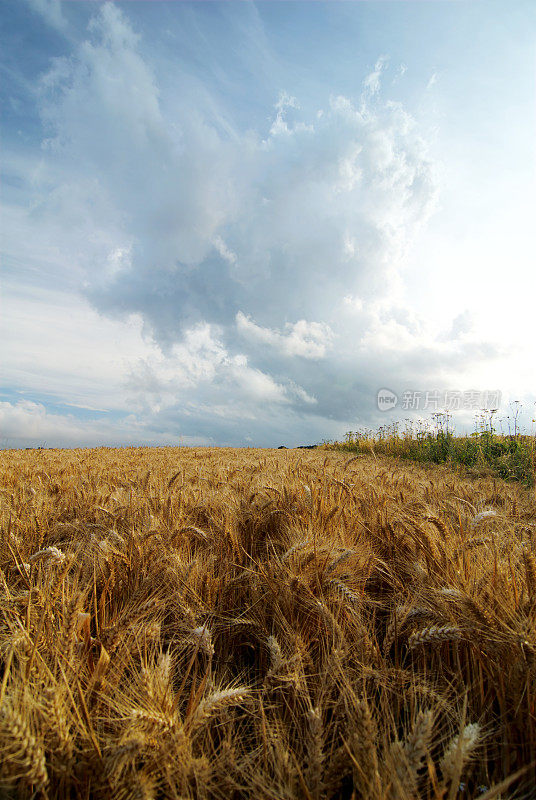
<point x="353" y="302"/>
<point x="223" y="250"/>
<point x="51" y="12"/>
<point x="372" y="83"/>
<point x="280" y="124"/>
<point x="257" y="386"/>
<point x="213" y="224"/>
<point x="307" y="339"/>
<point x="201" y="370"/>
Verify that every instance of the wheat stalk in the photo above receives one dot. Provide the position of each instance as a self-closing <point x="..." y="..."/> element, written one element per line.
<point x="315" y="751"/>
<point x="530" y="572"/>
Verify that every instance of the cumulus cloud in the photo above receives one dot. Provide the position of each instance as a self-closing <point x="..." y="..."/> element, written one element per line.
<point x="200" y="370"/>
<point x="215" y="224"/>
<point x="307" y="339"/>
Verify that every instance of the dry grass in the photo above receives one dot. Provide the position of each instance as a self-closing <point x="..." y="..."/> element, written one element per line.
<point x="263" y="624"/>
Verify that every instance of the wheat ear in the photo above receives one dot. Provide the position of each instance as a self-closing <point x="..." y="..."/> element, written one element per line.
<point x="216" y="701"/>
<point x="458" y="752"/>
<point x="363" y="745"/>
<point x="418" y="742"/>
<point x="25" y="749"/>
<point x="435" y="634"/>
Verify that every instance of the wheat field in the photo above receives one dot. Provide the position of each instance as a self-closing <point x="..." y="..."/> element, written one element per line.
<point x="221" y="623"/>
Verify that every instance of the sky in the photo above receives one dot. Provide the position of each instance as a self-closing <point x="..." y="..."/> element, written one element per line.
<point x="234" y="223"/>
